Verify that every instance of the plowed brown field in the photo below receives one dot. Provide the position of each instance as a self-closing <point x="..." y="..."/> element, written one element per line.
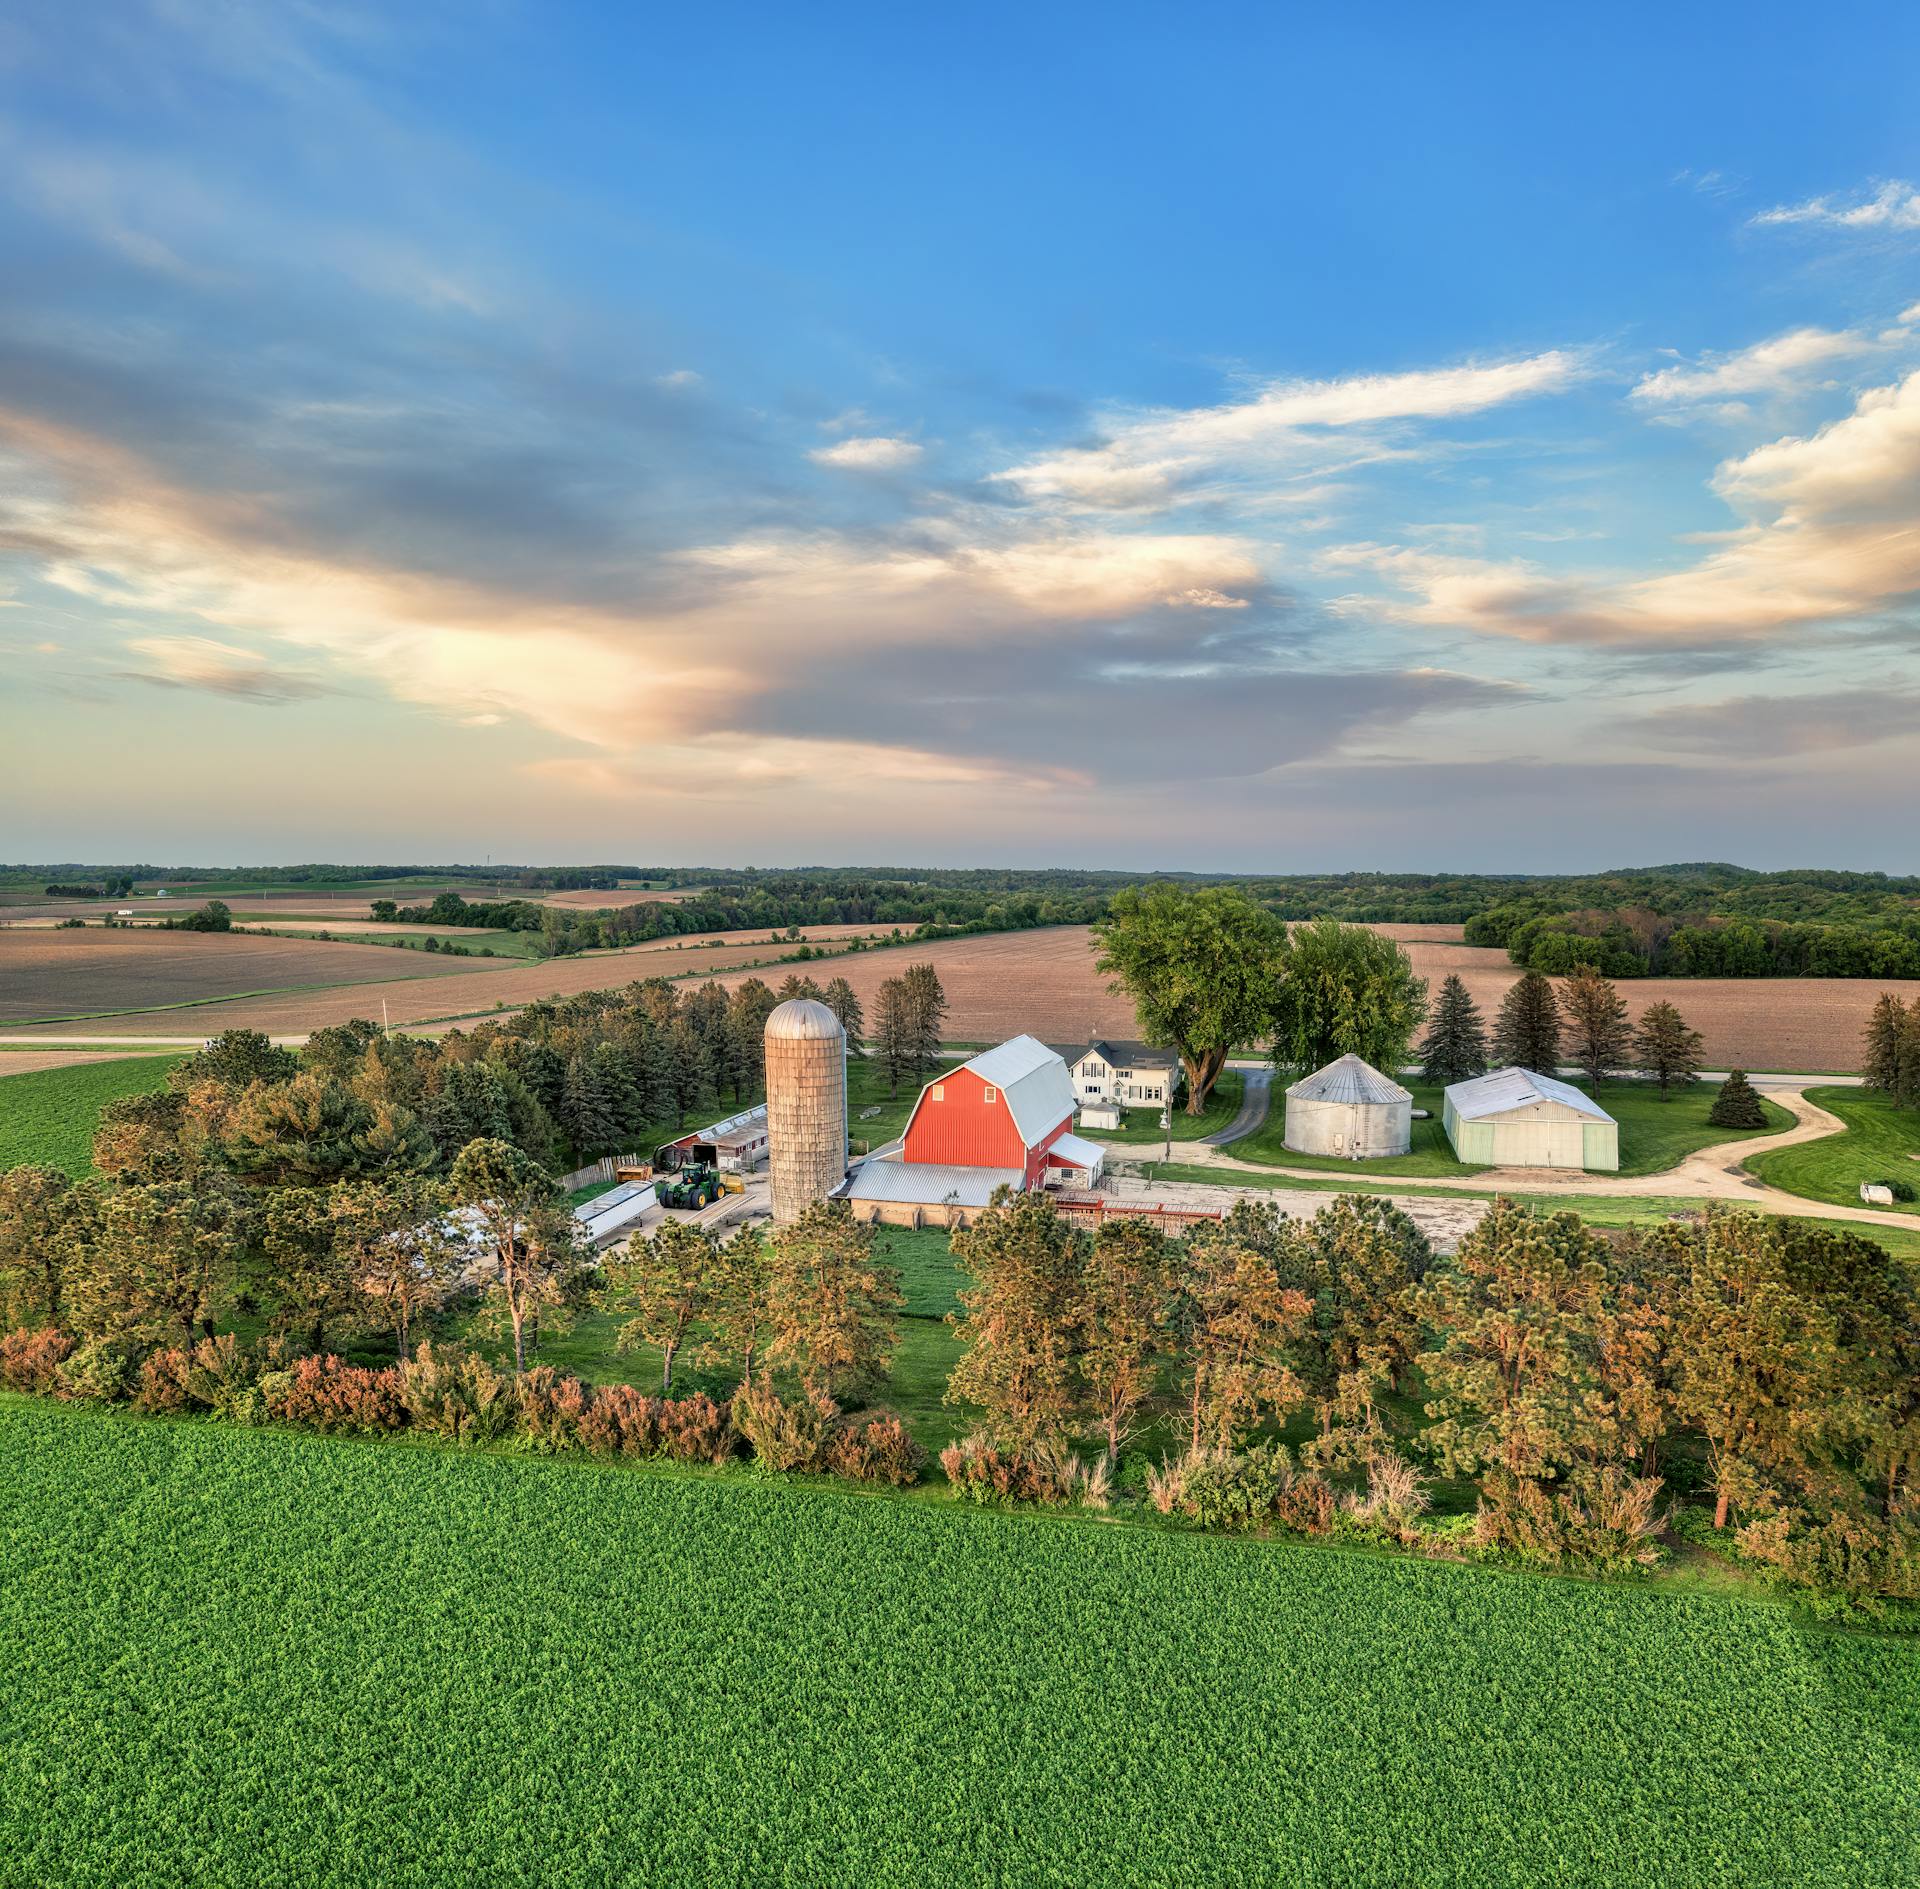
<point x="1040" y="982"/>
<point x="70" y="973"/>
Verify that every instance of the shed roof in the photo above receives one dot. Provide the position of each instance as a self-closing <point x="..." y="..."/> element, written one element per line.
<point x="1075" y="1151"/>
<point x="1348" y="1079"/>
<point x="1506" y="1089"/>
<point x="926" y="1183"/>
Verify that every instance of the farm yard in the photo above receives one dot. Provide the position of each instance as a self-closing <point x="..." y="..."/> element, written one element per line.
<point x="942" y="1695"/>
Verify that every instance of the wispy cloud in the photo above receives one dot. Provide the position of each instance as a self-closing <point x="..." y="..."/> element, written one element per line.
<point x="1763" y="726"/>
<point x="1781" y="365"/>
<point x="873" y="453"/>
<point x="1895" y="205"/>
<point x="198" y="662"/>
<point x="1147" y="458"/>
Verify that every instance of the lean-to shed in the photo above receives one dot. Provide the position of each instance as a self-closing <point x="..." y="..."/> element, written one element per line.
<point x="1349" y="1109"/>
<point x="1518" y="1118"/>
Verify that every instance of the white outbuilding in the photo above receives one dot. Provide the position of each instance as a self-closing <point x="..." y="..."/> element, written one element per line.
<point x="1519" y="1118"/>
<point x="1349" y="1109"/>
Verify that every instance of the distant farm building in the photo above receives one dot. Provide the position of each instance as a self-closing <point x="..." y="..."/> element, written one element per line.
<point x="1350" y="1110"/>
<point x="1004" y="1119"/>
<point x="737" y="1145"/>
<point x="1516" y="1118"/>
<point x="1110" y="1076"/>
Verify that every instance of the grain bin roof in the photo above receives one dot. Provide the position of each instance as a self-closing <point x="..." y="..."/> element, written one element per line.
<point x="803" y="1018"/>
<point x="1348" y="1079"/>
<point x="1507" y="1089"/>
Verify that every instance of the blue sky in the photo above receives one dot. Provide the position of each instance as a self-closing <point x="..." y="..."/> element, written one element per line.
<point x="1139" y="436"/>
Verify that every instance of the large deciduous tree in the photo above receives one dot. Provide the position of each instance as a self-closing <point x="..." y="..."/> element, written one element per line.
<point x="1347" y="992"/>
<point x="1204" y="968"/>
<point x="1456" y="1045"/>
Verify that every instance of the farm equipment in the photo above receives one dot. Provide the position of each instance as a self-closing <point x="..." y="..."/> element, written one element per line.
<point x="691" y="1188"/>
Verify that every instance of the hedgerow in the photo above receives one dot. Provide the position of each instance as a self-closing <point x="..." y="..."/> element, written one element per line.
<point x="335" y="1664"/>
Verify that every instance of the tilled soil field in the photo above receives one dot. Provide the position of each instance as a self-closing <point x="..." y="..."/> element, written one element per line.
<point x="73" y="973"/>
<point x="1040" y="982"/>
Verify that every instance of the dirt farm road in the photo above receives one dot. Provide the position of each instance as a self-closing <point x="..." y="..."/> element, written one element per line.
<point x="1715" y="1173"/>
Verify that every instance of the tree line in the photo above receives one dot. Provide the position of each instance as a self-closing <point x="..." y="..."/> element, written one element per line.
<point x="1640" y="942"/>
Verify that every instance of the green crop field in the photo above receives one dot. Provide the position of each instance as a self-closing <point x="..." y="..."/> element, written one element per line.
<point x="1654" y="1135"/>
<point x="49" y="1115"/>
<point x="237" y="1656"/>
<point x="1882" y="1143"/>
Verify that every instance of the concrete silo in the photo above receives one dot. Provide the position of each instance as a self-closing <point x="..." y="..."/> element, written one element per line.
<point x="806" y="1105"/>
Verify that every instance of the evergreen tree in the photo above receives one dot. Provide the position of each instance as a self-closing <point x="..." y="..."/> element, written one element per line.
<point x="1907" y="1089"/>
<point x="659" y="1082"/>
<point x="1456" y="1045"/>
<point x="795" y="985"/>
<point x="1738" y="1104"/>
<point x="1885" y="1027"/>
<point x="1528" y="1031"/>
<point x="893" y="1038"/>
<point x="926" y="1016"/>
<point x="840" y="999"/>
<point x="1669" y="1051"/>
<point x="1596" y="1035"/>
<point x="747" y="1011"/>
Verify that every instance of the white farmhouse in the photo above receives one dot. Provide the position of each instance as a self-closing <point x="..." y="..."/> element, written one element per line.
<point x="1111" y="1075"/>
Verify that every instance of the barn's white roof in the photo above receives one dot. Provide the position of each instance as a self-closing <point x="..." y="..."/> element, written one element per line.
<point x="1348" y="1079"/>
<point x="1077" y="1151"/>
<point x="1507" y="1089"/>
<point x="926" y="1183"/>
<point x="1033" y="1080"/>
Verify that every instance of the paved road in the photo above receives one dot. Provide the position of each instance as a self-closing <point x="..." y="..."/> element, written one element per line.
<point x="1255" y="1100"/>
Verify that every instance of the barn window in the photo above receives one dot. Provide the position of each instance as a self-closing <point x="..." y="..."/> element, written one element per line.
<point x="939" y="1091"/>
<point x="992" y="1094"/>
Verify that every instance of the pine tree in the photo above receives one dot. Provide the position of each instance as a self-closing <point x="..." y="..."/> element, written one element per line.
<point x="926" y="1015"/>
<point x="586" y="1110"/>
<point x="1907" y="1088"/>
<point x="1737" y="1105"/>
<point x="1456" y="1046"/>
<point x="1528" y="1032"/>
<point x="798" y="986"/>
<point x="1597" y="1036"/>
<point x="1885" y="1026"/>
<point x="893" y="1031"/>
<point x="1669" y="1051"/>
<point x="747" y="1012"/>
<point x="840" y="999"/>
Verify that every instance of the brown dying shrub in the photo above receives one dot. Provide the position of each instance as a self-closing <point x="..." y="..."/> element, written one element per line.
<point x="877" y="1447"/>
<point x="30" y="1360"/>
<point x="339" y="1398"/>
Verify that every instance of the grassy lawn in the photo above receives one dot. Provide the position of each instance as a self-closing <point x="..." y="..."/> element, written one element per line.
<point x="1882" y="1143"/>
<point x="235" y="1656"/>
<point x="1143" y="1124"/>
<point x="1654" y="1135"/>
<point x="48" y="1116"/>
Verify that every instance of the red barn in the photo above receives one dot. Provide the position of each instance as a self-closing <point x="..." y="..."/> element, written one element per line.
<point x="1005" y="1109"/>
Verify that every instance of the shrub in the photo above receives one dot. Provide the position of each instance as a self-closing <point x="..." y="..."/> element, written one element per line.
<point x="695" y="1429"/>
<point x="619" y="1421"/>
<point x="339" y="1398"/>
<point x="789" y="1436"/>
<point x="980" y="1470"/>
<point x="876" y="1448"/>
<point x="456" y="1394"/>
<point x="1847" y="1563"/>
<point x="104" y="1371"/>
<point x="1899" y="1189"/>
<point x="1396" y="1498"/>
<point x="552" y="1409"/>
<point x="31" y="1360"/>
<point x="1218" y="1488"/>
<point x="163" y="1381"/>
<point x="1600" y="1518"/>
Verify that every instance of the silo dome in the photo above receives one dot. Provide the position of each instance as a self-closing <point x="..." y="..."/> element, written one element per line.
<point x="1349" y="1109"/>
<point x="806" y="1105"/>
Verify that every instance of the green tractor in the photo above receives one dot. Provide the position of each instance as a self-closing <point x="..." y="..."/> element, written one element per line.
<point x="691" y="1188"/>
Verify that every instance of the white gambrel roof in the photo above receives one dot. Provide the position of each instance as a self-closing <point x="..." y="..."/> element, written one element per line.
<point x="1348" y="1079"/>
<point x="1032" y="1079"/>
<point x="925" y="1183"/>
<point x="1507" y="1089"/>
